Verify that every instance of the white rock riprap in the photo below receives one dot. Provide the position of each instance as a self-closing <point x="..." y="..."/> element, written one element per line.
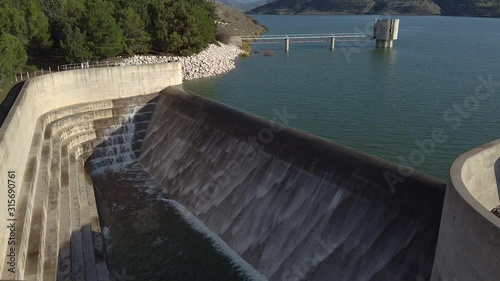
<point x="214" y="60"/>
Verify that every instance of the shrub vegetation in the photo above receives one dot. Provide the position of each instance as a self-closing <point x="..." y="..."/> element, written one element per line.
<point x="81" y="30"/>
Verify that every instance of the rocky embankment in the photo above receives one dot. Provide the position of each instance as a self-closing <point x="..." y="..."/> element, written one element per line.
<point x="214" y="60"/>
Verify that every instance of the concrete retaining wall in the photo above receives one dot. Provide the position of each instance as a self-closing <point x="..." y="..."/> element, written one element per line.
<point x="469" y="238"/>
<point x="49" y="92"/>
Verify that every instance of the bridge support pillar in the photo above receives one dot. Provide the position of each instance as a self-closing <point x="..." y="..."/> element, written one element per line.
<point x="287" y="44"/>
<point x="332" y="43"/>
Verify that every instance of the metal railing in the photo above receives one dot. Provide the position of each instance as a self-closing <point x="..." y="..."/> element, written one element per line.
<point x="83" y="65"/>
<point x="296" y="38"/>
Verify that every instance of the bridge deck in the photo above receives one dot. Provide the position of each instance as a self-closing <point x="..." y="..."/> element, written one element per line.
<point x="303" y="38"/>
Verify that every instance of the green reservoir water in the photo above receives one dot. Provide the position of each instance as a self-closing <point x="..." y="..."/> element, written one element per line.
<point x="384" y="102"/>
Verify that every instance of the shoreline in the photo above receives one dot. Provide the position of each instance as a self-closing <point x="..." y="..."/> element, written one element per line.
<point x="212" y="61"/>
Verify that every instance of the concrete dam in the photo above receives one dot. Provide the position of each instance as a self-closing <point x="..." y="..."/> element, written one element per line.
<point x="119" y="174"/>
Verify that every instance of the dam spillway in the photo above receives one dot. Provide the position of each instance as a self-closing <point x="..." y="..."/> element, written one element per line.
<point x="298" y="208"/>
<point x="188" y="184"/>
<point x="276" y="203"/>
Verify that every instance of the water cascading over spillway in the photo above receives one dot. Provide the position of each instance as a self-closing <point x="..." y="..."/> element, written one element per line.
<point x="296" y="208"/>
<point x="120" y="147"/>
<point x="149" y="236"/>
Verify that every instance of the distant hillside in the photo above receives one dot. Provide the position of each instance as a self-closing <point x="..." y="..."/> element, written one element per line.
<point x="480" y="8"/>
<point x="233" y="22"/>
<point x="234" y="3"/>
<point x="245" y="5"/>
<point x="250" y="6"/>
<point x="490" y="8"/>
<point x="417" y="7"/>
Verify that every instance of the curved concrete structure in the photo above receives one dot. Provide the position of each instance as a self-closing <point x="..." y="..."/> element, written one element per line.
<point x="288" y="205"/>
<point x="469" y="238"/>
<point x="295" y="206"/>
<point x="40" y="142"/>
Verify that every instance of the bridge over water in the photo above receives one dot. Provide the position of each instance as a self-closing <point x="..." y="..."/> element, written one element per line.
<point x="306" y="38"/>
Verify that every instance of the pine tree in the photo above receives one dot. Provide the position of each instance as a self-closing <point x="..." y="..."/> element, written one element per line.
<point x="104" y="36"/>
<point x="75" y="45"/>
<point x="60" y="13"/>
<point x="159" y="24"/>
<point x="202" y="27"/>
<point x="137" y="40"/>
<point x="183" y="27"/>
<point x="37" y="24"/>
<point x="12" y="21"/>
<point x="93" y="29"/>
<point x="13" y="57"/>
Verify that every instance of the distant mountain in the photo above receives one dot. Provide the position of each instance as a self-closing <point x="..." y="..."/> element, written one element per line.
<point x="245" y="5"/>
<point x="233" y="22"/>
<point x="234" y="3"/>
<point x="253" y="5"/>
<point x="412" y="7"/>
<point x="242" y="3"/>
<point x="418" y="7"/>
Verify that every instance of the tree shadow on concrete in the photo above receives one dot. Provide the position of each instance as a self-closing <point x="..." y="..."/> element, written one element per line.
<point x="9" y="101"/>
<point x="496" y="210"/>
<point x="86" y="261"/>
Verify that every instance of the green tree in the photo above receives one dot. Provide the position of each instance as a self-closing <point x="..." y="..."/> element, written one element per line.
<point x="183" y="27"/>
<point x="13" y="57"/>
<point x="137" y="40"/>
<point x="25" y="20"/>
<point x="200" y="28"/>
<point x="74" y="44"/>
<point x="60" y="13"/>
<point x="37" y="24"/>
<point x="67" y="11"/>
<point x="12" y="21"/>
<point x="158" y="25"/>
<point x="93" y="29"/>
<point x="104" y="36"/>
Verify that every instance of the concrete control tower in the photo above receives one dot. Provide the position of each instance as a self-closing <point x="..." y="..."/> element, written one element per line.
<point x="385" y="32"/>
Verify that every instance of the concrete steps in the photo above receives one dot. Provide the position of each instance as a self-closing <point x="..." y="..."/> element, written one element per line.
<point x="41" y="101"/>
<point x="77" y="258"/>
<point x="61" y="238"/>
<point x="86" y="231"/>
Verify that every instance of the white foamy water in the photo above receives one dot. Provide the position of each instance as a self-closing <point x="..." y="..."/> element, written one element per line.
<point x="246" y="269"/>
<point x="116" y="152"/>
